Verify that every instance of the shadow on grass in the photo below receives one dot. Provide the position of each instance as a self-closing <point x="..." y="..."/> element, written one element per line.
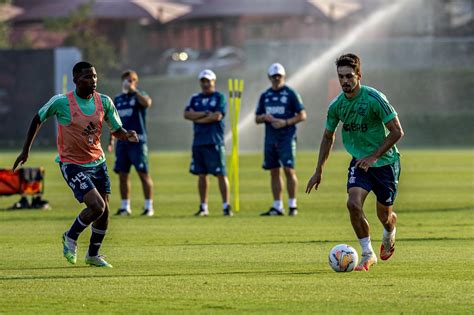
<point x="191" y="274"/>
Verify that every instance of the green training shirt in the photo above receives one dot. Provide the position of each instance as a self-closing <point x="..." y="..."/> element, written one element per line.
<point x="364" y="117"/>
<point x="58" y="106"/>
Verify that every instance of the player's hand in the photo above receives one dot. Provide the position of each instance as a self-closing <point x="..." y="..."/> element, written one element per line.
<point x="269" y="118"/>
<point x="278" y="123"/>
<point x="314" y="181"/>
<point x="132" y="136"/>
<point x="366" y="162"/>
<point x="20" y="160"/>
<point x="110" y="147"/>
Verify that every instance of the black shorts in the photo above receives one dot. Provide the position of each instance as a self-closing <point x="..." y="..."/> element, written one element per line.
<point x="382" y="180"/>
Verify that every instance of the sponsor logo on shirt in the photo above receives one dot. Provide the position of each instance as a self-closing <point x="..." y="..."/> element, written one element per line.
<point x="125" y="112"/>
<point x="275" y="110"/>
<point x="354" y="127"/>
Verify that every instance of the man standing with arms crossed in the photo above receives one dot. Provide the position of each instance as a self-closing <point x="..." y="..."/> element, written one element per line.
<point x="280" y="108"/>
<point x="207" y="110"/>
<point x="80" y="114"/>
<point x="132" y="105"/>
<point x="369" y="133"/>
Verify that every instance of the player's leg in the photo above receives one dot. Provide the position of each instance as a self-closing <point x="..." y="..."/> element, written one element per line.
<point x="203" y="186"/>
<point x="198" y="168"/>
<point x="223" y="182"/>
<point x="215" y="164"/>
<point x="272" y="163"/>
<point x="287" y="154"/>
<point x="147" y="185"/>
<point x="122" y="168"/>
<point x="139" y="158"/>
<point x="385" y="183"/>
<point x="355" y="203"/>
<point x="99" y="226"/>
<point x="358" y="187"/>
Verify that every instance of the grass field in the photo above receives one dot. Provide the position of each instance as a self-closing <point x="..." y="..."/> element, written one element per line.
<point x="176" y="263"/>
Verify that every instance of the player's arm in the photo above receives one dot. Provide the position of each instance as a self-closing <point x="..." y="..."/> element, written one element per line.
<point x="35" y="126"/>
<point x="115" y="124"/>
<point x="261" y="116"/>
<point x="211" y="117"/>
<point x="143" y="99"/>
<point x="395" y="134"/>
<point x="327" y="143"/>
<point x="190" y="114"/>
<point x="280" y="123"/>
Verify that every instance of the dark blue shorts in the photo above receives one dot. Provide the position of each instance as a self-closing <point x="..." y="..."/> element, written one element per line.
<point x="128" y="154"/>
<point x="280" y="154"/>
<point x="83" y="179"/>
<point x="208" y="159"/>
<point x="382" y="180"/>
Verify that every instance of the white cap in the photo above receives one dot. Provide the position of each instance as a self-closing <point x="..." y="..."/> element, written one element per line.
<point x="207" y="74"/>
<point x="276" y="68"/>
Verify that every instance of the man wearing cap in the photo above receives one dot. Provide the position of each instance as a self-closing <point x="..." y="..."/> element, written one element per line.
<point x="280" y="108"/>
<point x="207" y="110"/>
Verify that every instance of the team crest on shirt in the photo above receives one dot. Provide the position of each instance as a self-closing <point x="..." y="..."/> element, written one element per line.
<point x="362" y="109"/>
<point x="212" y="103"/>
<point x="284" y="99"/>
<point x="132" y="102"/>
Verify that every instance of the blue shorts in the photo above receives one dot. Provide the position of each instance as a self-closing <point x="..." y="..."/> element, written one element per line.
<point x="280" y="154"/>
<point x="382" y="180"/>
<point x="83" y="179"/>
<point x="208" y="159"/>
<point x="128" y="154"/>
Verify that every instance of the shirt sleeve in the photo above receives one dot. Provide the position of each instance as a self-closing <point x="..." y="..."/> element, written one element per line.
<point x="190" y="104"/>
<point x="260" y="106"/>
<point x="110" y="114"/>
<point x="381" y="107"/>
<point x="50" y="108"/>
<point x="222" y="104"/>
<point x="332" y="119"/>
<point x="296" y="101"/>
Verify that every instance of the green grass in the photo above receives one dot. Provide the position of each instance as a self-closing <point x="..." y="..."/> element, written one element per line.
<point x="175" y="263"/>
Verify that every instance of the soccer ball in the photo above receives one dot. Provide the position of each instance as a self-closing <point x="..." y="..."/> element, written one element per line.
<point x="343" y="258"/>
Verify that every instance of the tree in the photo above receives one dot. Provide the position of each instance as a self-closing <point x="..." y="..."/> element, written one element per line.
<point x="81" y="30"/>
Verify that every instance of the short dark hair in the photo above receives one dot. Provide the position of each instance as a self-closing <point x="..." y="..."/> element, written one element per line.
<point x="129" y="72"/>
<point x="81" y="65"/>
<point x="349" y="60"/>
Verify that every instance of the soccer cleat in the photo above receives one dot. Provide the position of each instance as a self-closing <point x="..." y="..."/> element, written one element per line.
<point x="202" y="212"/>
<point x="273" y="212"/>
<point x="388" y="246"/>
<point x="40" y="203"/>
<point x="366" y="261"/>
<point x="69" y="249"/>
<point x="228" y="212"/>
<point x="97" y="261"/>
<point x="293" y="211"/>
<point x="123" y="212"/>
<point x="148" y="212"/>
<point x="23" y="203"/>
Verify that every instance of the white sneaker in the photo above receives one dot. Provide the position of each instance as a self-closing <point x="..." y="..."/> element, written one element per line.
<point x="366" y="261"/>
<point x="97" y="261"/>
<point x="148" y="212"/>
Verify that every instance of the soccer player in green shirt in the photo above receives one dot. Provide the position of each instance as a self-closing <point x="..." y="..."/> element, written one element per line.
<point x="369" y="132"/>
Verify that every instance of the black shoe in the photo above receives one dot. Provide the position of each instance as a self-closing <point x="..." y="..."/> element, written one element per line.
<point x="123" y="212"/>
<point x="228" y="212"/>
<point x="202" y="212"/>
<point x="272" y="212"/>
<point x="293" y="212"/>
<point x="148" y="212"/>
<point x="39" y="203"/>
<point x="21" y="204"/>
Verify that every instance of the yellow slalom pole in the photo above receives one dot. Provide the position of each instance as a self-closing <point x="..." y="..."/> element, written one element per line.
<point x="231" y="112"/>
<point x="64" y="83"/>
<point x="235" y="142"/>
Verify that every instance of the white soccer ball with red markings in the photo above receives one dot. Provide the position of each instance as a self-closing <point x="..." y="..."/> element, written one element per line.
<point x="343" y="258"/>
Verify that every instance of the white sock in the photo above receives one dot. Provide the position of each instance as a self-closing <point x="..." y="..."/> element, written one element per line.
<point x="387" y="234"/>
<point x="225" y="205"/>
<point x="292" y="203"/>
<point x="366" y="245"/>
<point x="148" y="203"/>
<point x="204" y="206"/>
<point x="125" y="204"/>
<point x="278" y="204"/>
